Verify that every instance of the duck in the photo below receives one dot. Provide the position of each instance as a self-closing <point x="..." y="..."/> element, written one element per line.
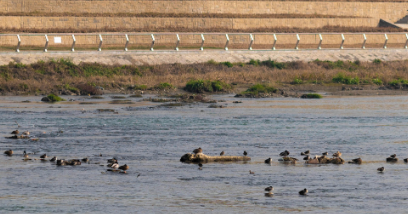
<point x="43" y="156"/>
<point x="356" y="161"/>
<point x="392" y="159"/>
<point x="199" y="150"/>
<point x="200" y="165"/>
<point x="393" y="156"/>
<point x="222" y="153"/>
<point x="406" y="160"/>
<point x="325" y="153"/>
<point x="113" y="165"/>
<point x="245" y="153"/>
<point x="285" y="153"/>
<point x="303" y="192"/>
<point x="305" y="153"/>
<point x="113" y="160"/>
<point x="85" y="160"/>
<point x="337" y="154"/>
<point x="307" y="158"/>
<point x="269" y="160"/>
<point x="25" y="154"/>
<point x="269" y="194"/>
<point x="124" y="167"/>
<point x="381" y="169"/>
<point x="269" y="188"/>
<point x="53" y="159"/>
<point x="26" y="133"/>
<point x="16" y="132"/>
<point x="8" y="152"/>
<point x="251" y="172"/>
<point x="60" y="163"/>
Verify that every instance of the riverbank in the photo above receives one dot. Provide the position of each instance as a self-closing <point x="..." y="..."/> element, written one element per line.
<point x="344" y="78"/>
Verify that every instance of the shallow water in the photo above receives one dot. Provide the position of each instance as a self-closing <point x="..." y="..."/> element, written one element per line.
<point x="151" y="142"/>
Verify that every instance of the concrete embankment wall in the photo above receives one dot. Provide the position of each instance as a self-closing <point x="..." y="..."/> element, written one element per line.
<point x="241" y="41"/>
<point x="189" y="57"/>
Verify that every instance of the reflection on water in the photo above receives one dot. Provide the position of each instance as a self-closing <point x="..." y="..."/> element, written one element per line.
<point x="151" y="142"/>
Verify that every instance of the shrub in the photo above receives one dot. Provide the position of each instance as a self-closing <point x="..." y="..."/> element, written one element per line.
<point x="200" y="86"/>
<point x="228" y="64"/>
<point x="54" y="98"/>
<point x="71" y="89"/>
<point x="311" y="96"/>
<point x="162" y="86"/>
<point x="343" y="78"/>
<point x="86" y="89"/>
<point x="259" y="88"/>
<point x="377" y="81"/>
<point x="297" y="81"/>
<point x="212" y="62"/>
<point x="398" y="82"/>
<point x="272" y="64"/>
<point x="254" y="62"/>
<point x="377" y="61"/>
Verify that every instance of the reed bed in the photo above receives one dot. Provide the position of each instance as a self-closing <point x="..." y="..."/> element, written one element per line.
<point x="56" y="76"/>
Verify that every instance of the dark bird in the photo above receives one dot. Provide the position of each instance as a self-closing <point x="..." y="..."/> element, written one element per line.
<point x="381" y="169"/>
<point x="124" y="167"/>
<point x="43" y="156"/>
<point x="200" y="165"/>
<point x="325" y="153"/>
<point x="285" y="153"/>
<point x="269" y="188"/>
<point x="85" y="160"/>
<point x="406" y="160"/>
<point x="222" y="153"/>
<point x="138" y="175"/>
<point x="15" y="132"/>
<point x="305" y="153"/>
<point x="306" y="158"/>
<point x="53" y="159"/>
<point x="113" y="160"/>
<point x="269" y="160"/>
<point x="356" y="161"/>
<point x="245" y="153"/>
<point x="199" y="150"/>
<point x="25" y="154"/>
<point x="393" y="156"/>
<point x="8" y="152"/>
<point x="251" y="172"/>
<point x="303" y="192"/>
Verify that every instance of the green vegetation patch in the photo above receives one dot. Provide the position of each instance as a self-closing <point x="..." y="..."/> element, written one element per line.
<point x="54" y="98"/>
<point x="163" y="86"/>
<point x="311" y="96"/>
<point x="200" y="86"/>
<point x="345" y="79"/>
<point x="398" y="82"/>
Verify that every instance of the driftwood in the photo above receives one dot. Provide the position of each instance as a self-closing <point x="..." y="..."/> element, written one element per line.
<point x="202" y="158"/>
<point x="18" y="137"/>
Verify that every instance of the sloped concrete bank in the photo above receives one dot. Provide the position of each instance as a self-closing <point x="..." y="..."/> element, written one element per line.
<point x="189" y="57"/>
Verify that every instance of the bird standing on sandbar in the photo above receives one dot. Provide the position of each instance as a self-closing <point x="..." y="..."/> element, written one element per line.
<point x="222" y="153"/>
<point x="199" y="150"/>
<point x="8" y="152"/>
<point x="43" y="156"/>
<point x="124" y="167"/>
<point x="15" y="132"/>
<point x="285" y="153"/>
<point x="381" y="169"/>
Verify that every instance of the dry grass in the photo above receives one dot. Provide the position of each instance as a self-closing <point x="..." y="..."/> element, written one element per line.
<point x="175" y="15"/>
<point x="281" y="0"/>
<point x="325" y="29"/>
<point x="27" y="79"/>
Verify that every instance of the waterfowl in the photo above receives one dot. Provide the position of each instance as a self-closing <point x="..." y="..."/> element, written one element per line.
<point x="325" y="153"/>
<point x="306" y="158"/>
<point x="43" y="156"/>
<point x="251" y="172"/>
<point x="113" y="160"/>
<point x="113" y="165"/>
<point x="8" y="152"/>
<point x="269" y="194"/>
<point x="381" y="169"/>
<point x="222" y="153"/>
<point x="85" y="160"/>
<point x="285" y="153"/>
<point x="245" y="153"/>
<point x="356" y="161"/>
<point x="393" y="156"/>
<point x="124" y="167"/>
<point x="15" y="132"/>
<point x="200" y="165"/>
<point x="26" y="133"/>
<point x="337" y="154"/>
<point x="305" y="153"/>
<point x="303" y="192"/>
<point x="269" y="160"/>
<point x="391" y="159"/>
<point x="25" y="154"/>
<point x="269" y="188"/>
<point x="53" y="159"/>
<point x="406" y="160"/>
<point x="60" y="162"/>
<point x="199" y="150"/>
<point x="74" y="162"/>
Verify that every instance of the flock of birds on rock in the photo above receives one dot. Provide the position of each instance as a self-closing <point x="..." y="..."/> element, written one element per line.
<point x="392" y="158"/>
<point x="112" y="163"/>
